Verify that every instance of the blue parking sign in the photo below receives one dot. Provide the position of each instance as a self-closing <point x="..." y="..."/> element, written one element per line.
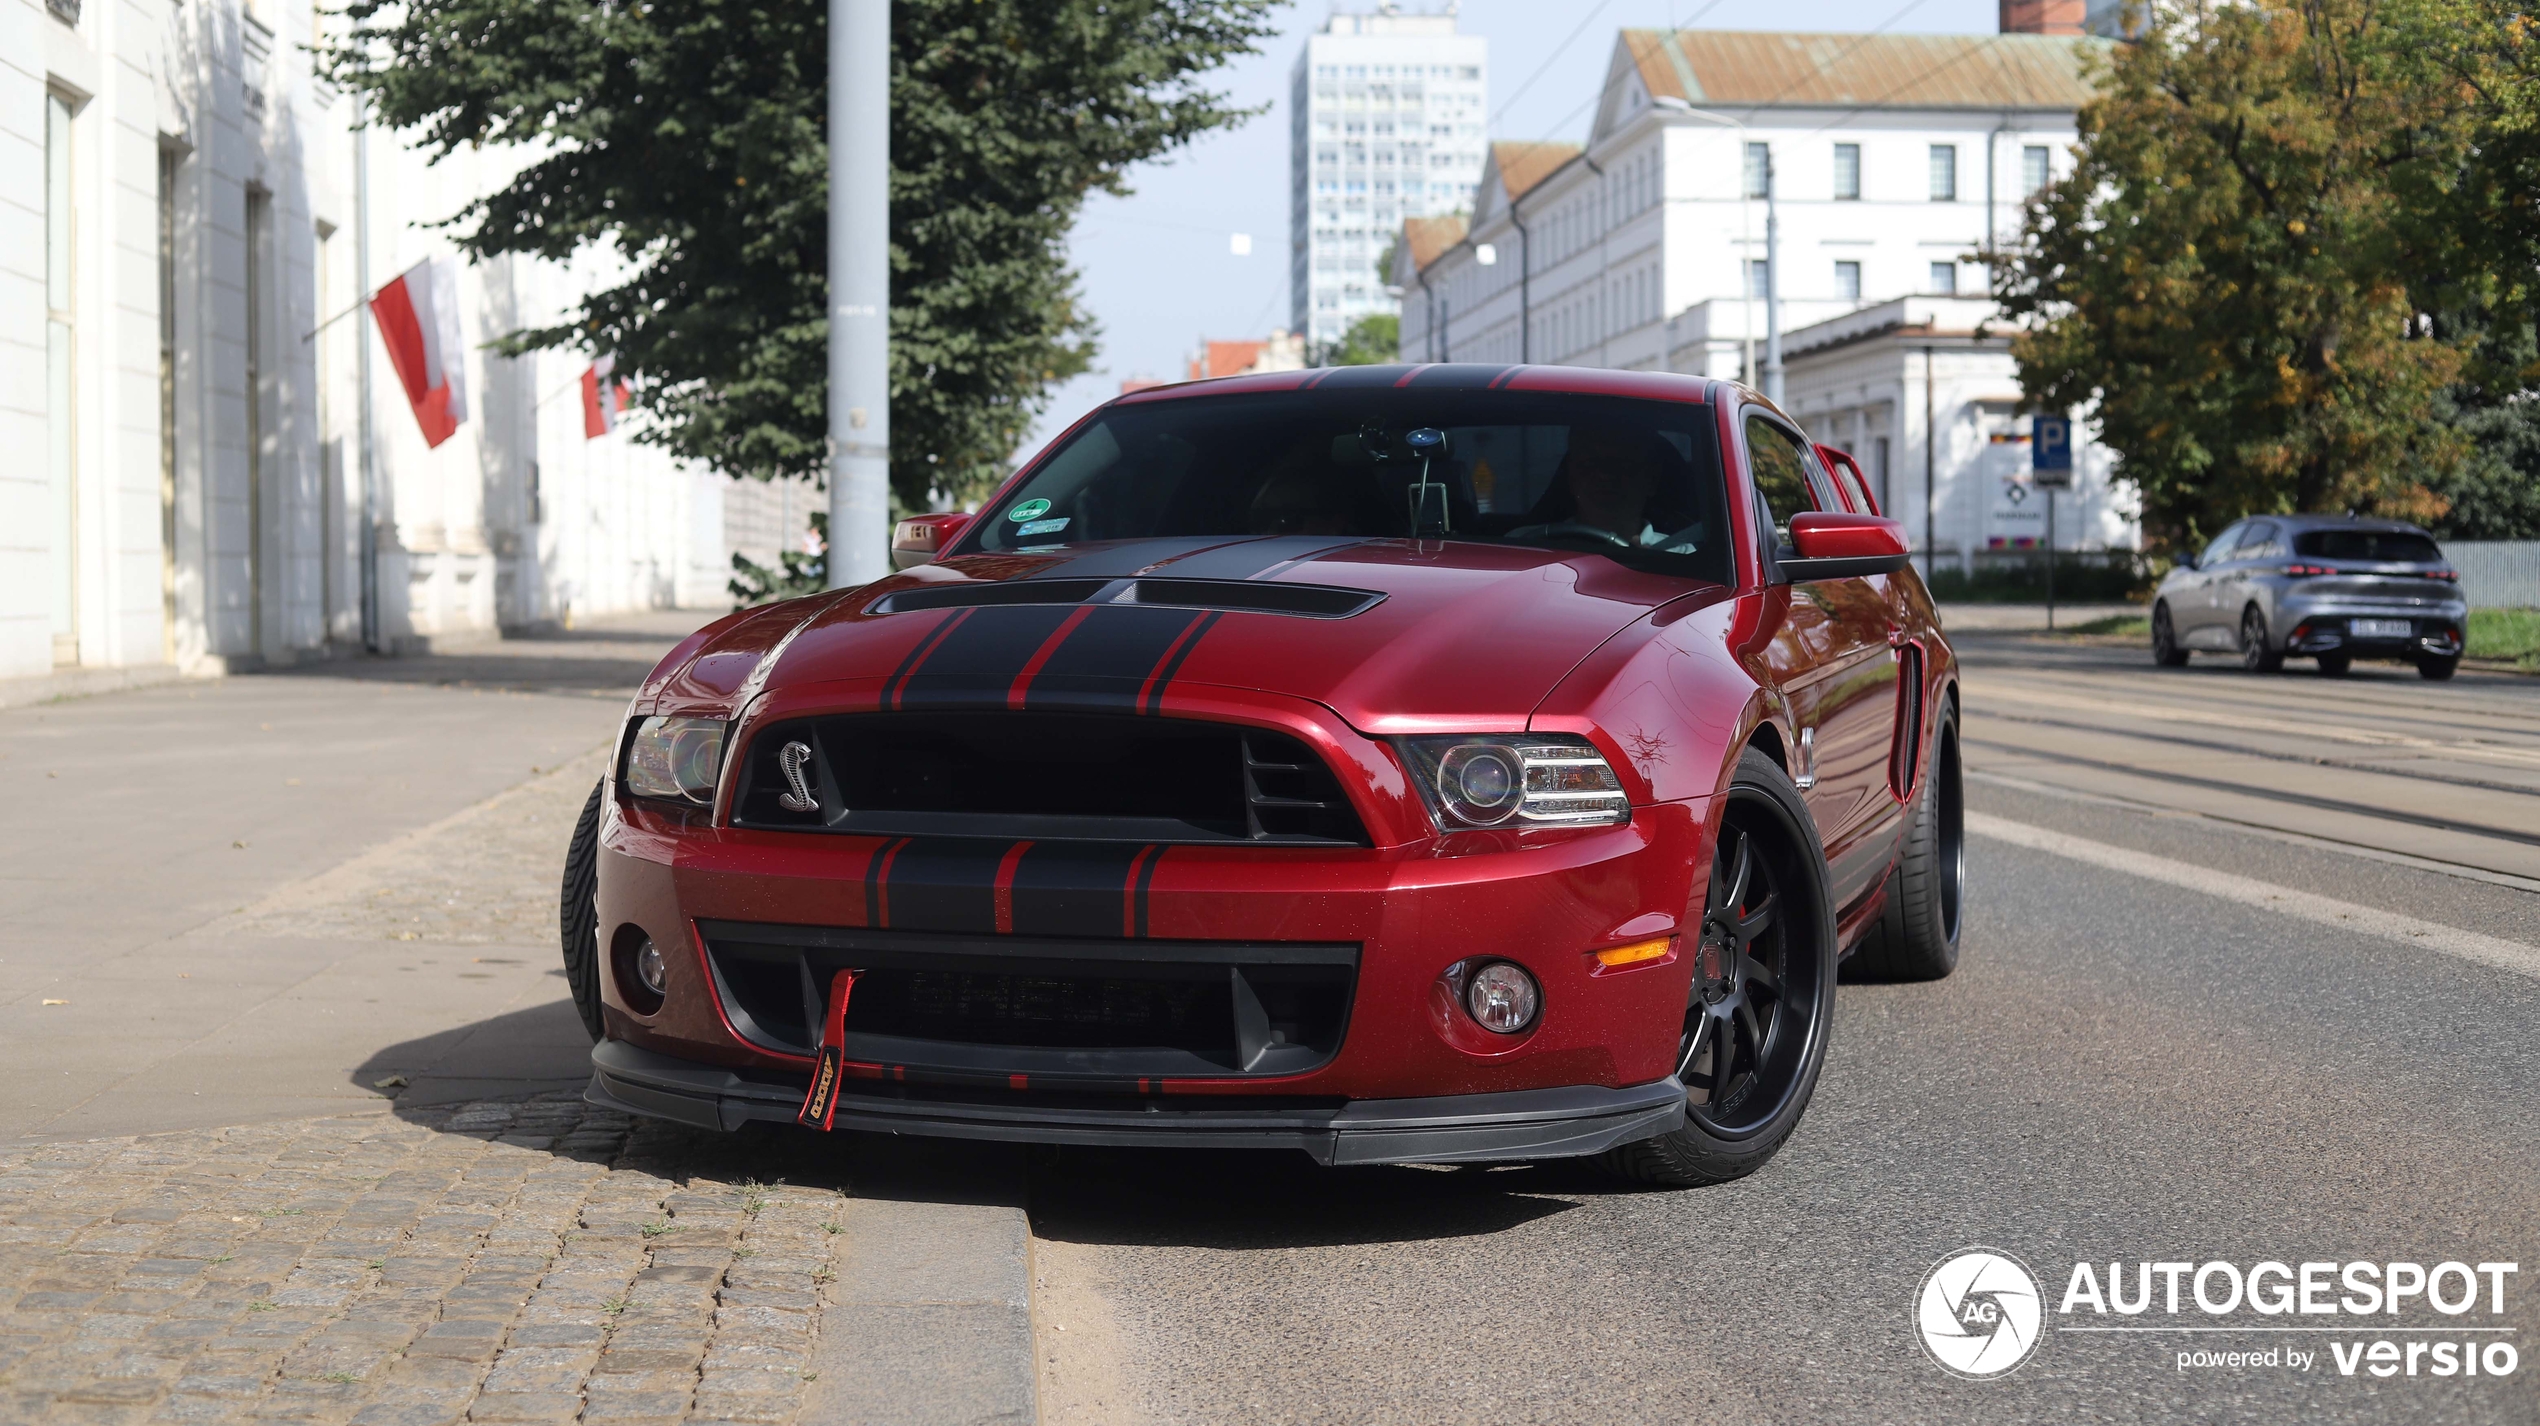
<point x="2051" y="450"/>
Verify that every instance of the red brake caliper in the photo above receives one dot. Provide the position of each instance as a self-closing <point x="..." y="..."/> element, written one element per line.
<point x="820" y="1105"/>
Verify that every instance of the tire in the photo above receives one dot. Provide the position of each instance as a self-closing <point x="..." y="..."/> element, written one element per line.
<point x="1916" y="937"/>
<point x="2256" y="654"/>
<point x="2335" y="665"/>
<point x="2165" y="649"/>
<point x="578" y="913"/>
<point x="1762" y="1000"/>
<point x="2436" y="669"/>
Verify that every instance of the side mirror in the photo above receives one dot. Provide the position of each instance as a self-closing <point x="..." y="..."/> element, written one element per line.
<point x="1827" y="545"/>
<point x="919" y="538"/>
<point x="2186" y="559"/>
<point x="1857" y="488"/>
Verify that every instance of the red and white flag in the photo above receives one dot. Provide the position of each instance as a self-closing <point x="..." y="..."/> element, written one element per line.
<point x="603" y="396"/>
<point x="418" y="317"/>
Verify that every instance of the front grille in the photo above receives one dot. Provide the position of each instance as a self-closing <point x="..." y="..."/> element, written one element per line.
<point x="1047" y="776"/>
<point x="1071" y="1010"/>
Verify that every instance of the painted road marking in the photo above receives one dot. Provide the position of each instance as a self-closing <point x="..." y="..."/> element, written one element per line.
<point x="2326" y="911"/>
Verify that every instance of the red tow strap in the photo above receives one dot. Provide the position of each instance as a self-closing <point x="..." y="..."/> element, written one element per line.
<point x="820" y="1105"/>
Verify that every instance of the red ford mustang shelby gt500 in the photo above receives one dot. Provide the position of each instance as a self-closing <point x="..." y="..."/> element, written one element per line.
<point x="1396" y="763"/>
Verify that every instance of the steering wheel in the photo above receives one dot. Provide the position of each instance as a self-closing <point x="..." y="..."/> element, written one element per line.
<point x="1574" y="529"/>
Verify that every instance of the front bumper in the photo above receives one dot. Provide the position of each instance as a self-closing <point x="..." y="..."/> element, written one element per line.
<point x="1564" y="1122"/>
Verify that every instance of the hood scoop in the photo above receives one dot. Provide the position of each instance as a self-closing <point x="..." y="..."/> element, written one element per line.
<point x="1234" y="596"/>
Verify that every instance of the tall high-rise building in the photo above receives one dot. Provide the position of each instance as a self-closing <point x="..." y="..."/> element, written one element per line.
<point x="1385" y="123"/>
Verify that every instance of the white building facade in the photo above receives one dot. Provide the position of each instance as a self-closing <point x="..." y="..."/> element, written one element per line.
<point x="1386" y="121"/>
<point x="1893" y="161"/>
<point x="180" y="378"/>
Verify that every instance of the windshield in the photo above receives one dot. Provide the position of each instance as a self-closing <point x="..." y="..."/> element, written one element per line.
<point x="2380" y="546"/>
<point x="1637" y="481"/>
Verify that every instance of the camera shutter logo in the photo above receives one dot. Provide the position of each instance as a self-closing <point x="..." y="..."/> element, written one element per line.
<point x="1978" y="1313"/>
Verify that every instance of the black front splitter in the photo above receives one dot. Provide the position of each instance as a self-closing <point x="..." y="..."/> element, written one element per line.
<point x="1564" y="1122"/>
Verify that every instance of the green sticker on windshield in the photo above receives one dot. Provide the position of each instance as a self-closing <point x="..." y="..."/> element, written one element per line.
<point x="1028" y="510"/>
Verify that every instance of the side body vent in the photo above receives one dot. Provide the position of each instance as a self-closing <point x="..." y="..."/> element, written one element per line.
<point x="1904" y="758"/>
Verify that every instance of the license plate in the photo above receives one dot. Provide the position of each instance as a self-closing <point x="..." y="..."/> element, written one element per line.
<point x="2379" y="628"/>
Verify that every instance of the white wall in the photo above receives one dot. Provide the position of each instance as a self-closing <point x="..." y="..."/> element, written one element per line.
<point x="255" y="558"/>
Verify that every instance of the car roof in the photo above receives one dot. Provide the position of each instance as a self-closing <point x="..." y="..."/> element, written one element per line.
<point x="2341" y="522"/>
<point x="1445" y="376"/>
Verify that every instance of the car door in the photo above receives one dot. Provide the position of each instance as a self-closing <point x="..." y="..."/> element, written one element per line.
<point x="2236" y="583"/>
<point x="2192" y="613"/>
<point x="1836" y="669"/>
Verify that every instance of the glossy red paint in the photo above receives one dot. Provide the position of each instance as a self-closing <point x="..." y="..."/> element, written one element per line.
<point x="1668" y="679"/>
<point x="1821" y="534"/>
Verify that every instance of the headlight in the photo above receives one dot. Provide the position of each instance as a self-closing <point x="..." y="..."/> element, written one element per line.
<point x="675" y="759"/>
<point x="1529" y="780"/>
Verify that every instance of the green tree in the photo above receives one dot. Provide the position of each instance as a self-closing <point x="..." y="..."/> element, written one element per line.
<point x="688" y="136"/>
<point x="1371" y="340"/>
<point x="2265" y="200"/>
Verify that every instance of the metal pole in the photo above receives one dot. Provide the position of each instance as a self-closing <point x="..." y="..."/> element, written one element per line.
<point x="1931" y="442"/>
<point x="2050" y="559"/>
<point x="361" y="367"/>
<point x="859" y="291"/>
<point x="1772" y="286"/>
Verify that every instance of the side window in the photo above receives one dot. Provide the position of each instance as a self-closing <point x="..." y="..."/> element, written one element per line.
<point x="2220" y="549"/>
<point x="2264" y="541"/>
<point x="1781" y="475"/>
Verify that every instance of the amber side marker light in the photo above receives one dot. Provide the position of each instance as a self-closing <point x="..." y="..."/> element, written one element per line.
<point x="1636" y="952"/>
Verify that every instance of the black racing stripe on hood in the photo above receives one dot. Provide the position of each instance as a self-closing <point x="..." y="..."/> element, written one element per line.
<point x="1077" y="889"/>
<point x="1108" y="656"/>
<point x="978" y="660"/>
<point x="1254" y="558"/>
<point x="1123" y="560"/>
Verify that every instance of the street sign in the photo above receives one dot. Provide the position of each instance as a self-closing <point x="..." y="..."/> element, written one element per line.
<point x="2050" y="450"/>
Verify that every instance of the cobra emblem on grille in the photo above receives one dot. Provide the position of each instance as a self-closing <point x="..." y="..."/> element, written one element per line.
<point x="791" y="760"/>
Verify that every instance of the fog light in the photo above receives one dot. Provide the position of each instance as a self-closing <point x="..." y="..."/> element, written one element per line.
<point x="648" y="968"/>
<point x="1501" y="998"/>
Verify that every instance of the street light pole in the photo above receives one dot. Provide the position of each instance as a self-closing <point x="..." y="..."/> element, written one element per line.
<point x="859" y="291"/>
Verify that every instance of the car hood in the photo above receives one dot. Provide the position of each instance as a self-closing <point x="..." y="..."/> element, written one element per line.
<point x="1445" y="636"/>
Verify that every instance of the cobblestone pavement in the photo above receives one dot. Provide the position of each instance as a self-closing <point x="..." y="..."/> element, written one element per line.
<point x="526" y="1261"/>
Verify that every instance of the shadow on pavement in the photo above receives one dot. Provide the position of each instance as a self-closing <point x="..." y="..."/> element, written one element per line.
<point x="1237" y="1199"/>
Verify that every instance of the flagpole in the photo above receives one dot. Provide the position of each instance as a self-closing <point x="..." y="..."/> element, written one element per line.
<point x="859" y="291"/>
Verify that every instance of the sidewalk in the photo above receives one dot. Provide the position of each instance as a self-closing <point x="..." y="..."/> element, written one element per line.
<point x="303" y="1136"/>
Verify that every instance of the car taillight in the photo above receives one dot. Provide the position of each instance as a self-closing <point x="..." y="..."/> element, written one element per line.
<point x="2448" y="576"/>
<point x="2309" y="569"/>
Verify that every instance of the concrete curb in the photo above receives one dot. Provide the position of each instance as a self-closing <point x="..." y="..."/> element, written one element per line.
<point x="81" y="682"/>
<point x="930" y="1321"/>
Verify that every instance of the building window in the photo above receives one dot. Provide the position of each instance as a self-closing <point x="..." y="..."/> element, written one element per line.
<point x="1847" y="281"/>
<point x="1944" y="279"/>
<point x="2034" y="173"/>
<point x="1847" y="171"/>
<point x="1759" y="170"/>
<point x="1944" y="173"/>
<point x="1759" y="280"/>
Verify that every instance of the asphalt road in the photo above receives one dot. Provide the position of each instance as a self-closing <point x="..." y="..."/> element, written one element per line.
<point x="2146" y="1055"/>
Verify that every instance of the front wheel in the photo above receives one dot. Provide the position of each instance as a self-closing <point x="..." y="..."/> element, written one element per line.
<point x="1762" y="1001"/>
<point x="578" y="913"/>
<point x="2165" y="649"/>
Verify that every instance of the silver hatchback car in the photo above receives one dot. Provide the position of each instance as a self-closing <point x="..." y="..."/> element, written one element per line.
<point x="2334" y="588"/>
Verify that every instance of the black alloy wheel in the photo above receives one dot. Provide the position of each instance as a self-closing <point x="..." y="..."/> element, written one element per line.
<point x="2335" y="665"/>
<point x="578" y="913"/>
<point x="1762" y="996"/>
<point x="2165" y="649"/>
<point x="2256" y="654"/>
